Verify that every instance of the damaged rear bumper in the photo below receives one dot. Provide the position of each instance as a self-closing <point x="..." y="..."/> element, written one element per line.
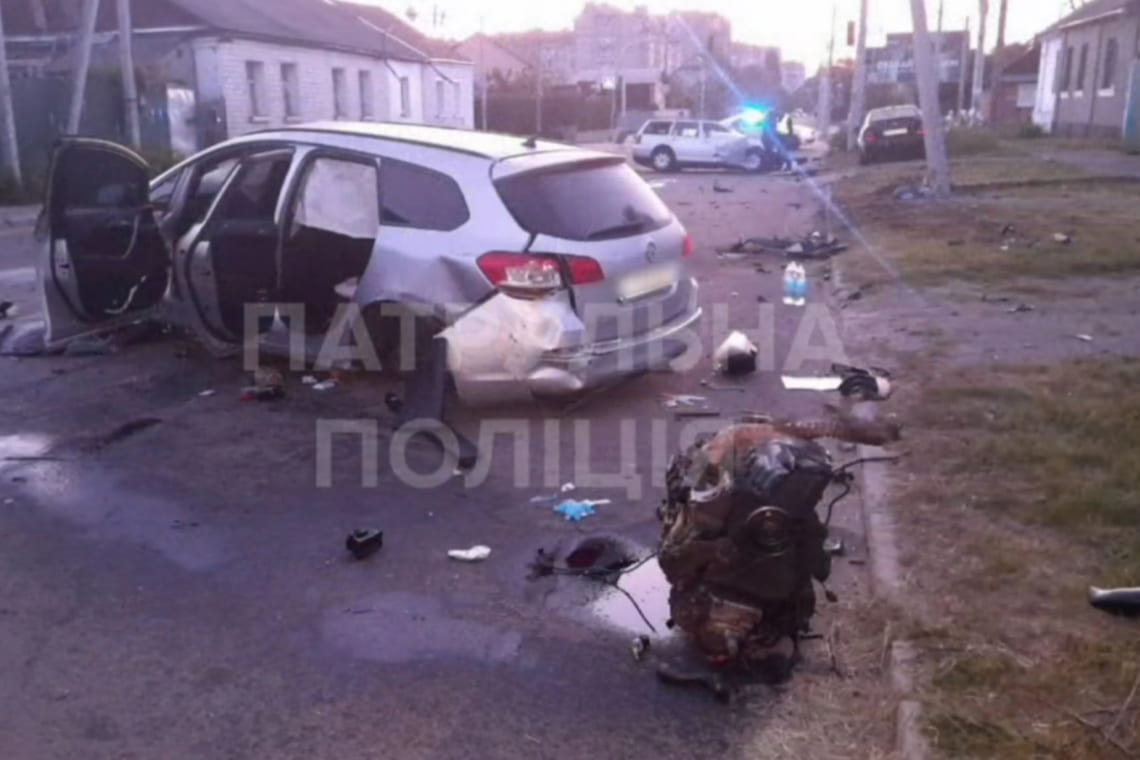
<point x="509" y="350"/>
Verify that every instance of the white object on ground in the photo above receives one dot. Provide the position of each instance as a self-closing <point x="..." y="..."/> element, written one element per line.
<point x="474" y="554"/>
<point x="309" y="380"/>
<point x="207" y="393"/>
<point x="1085" y="338"/>
<point x="811" y="383"/>
<point x="325" y="385"/>
<point x="736" y="343"/>
<point x="567" y="487"/>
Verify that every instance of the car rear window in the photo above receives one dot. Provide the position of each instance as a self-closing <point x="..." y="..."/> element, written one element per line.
<point x="657" y="128"/>
<point x="597" y="200"/>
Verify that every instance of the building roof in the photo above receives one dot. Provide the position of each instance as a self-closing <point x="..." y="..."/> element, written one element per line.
<point x="392" y="24"/>
<point x="322" y="23"/>
<point x="1023" y="65"/>
<point x="1094" y="10"/>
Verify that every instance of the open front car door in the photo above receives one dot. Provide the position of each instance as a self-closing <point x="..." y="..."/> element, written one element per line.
<point x="103" y="261"/>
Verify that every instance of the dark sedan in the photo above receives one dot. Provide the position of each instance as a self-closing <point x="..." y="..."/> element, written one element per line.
<point x="891" y="132"/>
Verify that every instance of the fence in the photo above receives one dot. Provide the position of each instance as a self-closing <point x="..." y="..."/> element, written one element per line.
<point x="562" y="114"/>
<point x="42" y="105"/>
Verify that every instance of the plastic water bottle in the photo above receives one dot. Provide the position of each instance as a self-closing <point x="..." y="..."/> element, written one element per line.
<point x="795" y="284"/>
<point x="790" y="288"/>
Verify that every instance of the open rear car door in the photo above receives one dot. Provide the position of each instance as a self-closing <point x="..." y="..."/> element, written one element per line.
<point x="103" y="261"/>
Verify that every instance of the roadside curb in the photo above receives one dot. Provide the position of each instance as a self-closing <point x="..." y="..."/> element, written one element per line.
<point x="887" y="583"/>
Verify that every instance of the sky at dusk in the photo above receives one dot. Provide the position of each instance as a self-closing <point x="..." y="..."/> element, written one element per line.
<point x="799" y="27"/>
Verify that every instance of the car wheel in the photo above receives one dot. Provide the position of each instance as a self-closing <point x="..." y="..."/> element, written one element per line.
<point x="753" y="161"/>
<point x="664" y="160"/>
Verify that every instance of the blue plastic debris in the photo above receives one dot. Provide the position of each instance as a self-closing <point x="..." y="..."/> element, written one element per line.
<point x="575" y="510"/>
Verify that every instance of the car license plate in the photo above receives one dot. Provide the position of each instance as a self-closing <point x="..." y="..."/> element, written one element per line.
<point x="646" y="281"/>
<point x="895" y="132"/>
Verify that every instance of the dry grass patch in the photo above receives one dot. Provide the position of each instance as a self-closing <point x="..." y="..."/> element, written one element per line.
<point x="1023" y="487"/>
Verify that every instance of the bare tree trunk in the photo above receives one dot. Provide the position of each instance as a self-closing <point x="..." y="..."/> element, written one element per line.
<point x="127" y="63"/>
<point x="79" y="88"/>
<point x="980" y="58"/>
<point x="938" y="166"/>
<point x="9" y="148"/>
<point x="859" y="83"/>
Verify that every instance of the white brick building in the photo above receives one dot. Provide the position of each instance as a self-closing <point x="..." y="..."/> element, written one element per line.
<point x="256" y="64"/>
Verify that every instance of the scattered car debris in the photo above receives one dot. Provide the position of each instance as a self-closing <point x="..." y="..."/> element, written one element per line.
<point x="736" y="355"/>
<point x="394" y="403"/>
<point x="574" y="511"/>
<point x="325" y="385"/>
<point x="794" y="383"/>
<point x="1019" y="309"/>
<point x="1062" y="238"/>
<point x="672" y="400"/>
<point x="681" y="414"/>
<point x="834" y="547"/>
<point x="813" y="246"/>
<point x="911" y="193"/>
<point x="123" y="432"/>
<point x="1008" y="230"/>
<point x="567" y="487"/>
<point x="795" y="284"/>
<point x="6" y="309"/>
<point x="863" y="384"/>
<point x="257" y="393"/>
<point x="363" y="543"/>
<point x="476" y="553"/>
<point x="640" y="647"/>
<point x="309" y="380"/>
<point x="90" y="346"/>
<point x="1116" y="601"/>
<point x="267" y="377"/>
<point x="1085" y="338"/>
<point x="719" y="188"/>
<point x="207" y="393"/>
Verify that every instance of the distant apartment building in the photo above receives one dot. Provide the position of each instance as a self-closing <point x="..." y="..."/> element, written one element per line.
<point x="744" y="55"/>
<point x="792" y="75"/>
<point x="893" y="63"/>
<point x="631" y="47"/>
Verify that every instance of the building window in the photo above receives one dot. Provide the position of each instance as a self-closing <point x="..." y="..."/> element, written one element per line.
<point x="340" y="94"/>
<point x="405" y="97"/>
<point x="1108" y="76"/>
<point x="255" y="81"/>
<point x="1082" y="67"/>
<point x="439" y="95"/>
<point x="366" y="110"/>
<point x="1066" y="77"/>
<point x="291" y="90"/>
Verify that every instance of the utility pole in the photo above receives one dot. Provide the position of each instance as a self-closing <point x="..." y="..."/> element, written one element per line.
<point x="934" y="137"/>
<point x="79" y="88"/>
<point x="962" y="63"/>
<point x="824" y="117"/>
<point x="859" y="85"/>
<point x="127" y="63"/>
<point x="538" y="93"/>
<point x="1003" y="10"/>
<point x="701" y="106"/>
<point x="10" y="152"/>
<point x="980" y="58"/>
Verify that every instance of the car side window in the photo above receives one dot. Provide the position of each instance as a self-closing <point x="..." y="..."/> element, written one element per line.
<point x="657" y="128"/>
<point x="686" y="129"/>
<point x="712" y="128"/>
<point x="415" y="196"/>
<point x="257" y="188"/>
<point x="162" y="193"/>
<point x="209" y="183"/>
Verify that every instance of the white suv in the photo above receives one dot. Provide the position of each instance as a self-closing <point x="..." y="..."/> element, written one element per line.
<point x="668" y="145"/>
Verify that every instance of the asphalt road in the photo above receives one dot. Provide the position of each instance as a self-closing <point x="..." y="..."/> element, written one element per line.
<point x="184" y="592"/>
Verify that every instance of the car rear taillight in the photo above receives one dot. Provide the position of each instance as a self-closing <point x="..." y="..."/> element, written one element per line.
<point x="584" y="270"/>
<point x="687" y="248"/>
<point x="871" y="137"/>
<point x="533" y="275"/>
